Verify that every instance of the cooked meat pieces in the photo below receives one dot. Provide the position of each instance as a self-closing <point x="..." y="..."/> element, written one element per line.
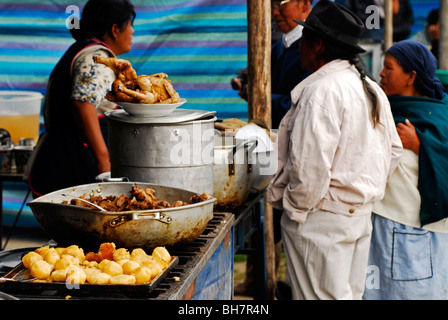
<point x="199" y="198"/>
<point x="139" y="199"/>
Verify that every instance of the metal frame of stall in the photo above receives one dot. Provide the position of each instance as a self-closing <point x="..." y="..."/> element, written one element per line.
<point x="249" y="239"/>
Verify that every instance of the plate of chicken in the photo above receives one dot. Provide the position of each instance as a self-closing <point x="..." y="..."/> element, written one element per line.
<point x="145" y="95"/>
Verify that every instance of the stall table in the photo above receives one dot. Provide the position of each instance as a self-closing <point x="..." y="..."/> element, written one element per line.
<point x="10" y="177"/>
<point x="205" y="269"/>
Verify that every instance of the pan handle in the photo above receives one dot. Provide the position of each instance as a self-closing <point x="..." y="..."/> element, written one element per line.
<point x="250" y="143"/>
<point x="161" y="217"/>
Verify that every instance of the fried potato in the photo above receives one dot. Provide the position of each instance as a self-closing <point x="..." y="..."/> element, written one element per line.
<point x="130" y="267"/>
<point x="97" y="277"/>
<point x="139" y="255"/>
<point x="155" y="266"/>
<point x="121" y="254"/>
<point x="59" y="275"/>
<point x="43" y="250"/>
<point x="76" y="274"/>
<point x="60" y="250"/>
<point x="51" y="257"/>
<point x="41" y="269"/>
<point x="75" y="251"/>
<point x="112" y="268"/>
<point x="161" y="253"/>
<point x="31" y="257"/>
<point x="143" y="275"/>
<point x="65" y="261"/>
<point x="122" y="279"/>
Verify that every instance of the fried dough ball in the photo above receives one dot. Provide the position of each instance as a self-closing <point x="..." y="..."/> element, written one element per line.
<point x="95" y="276"/>
<point x="161" y="253"/>
<point x="143" y="275"/>
<point x="65" y="261"/>
<point x="139" y="255"/>
<point x="100" y="278"/>
<point x="51" y="257"/>
<point x="75" y="251"/>
<point x="130" y="267"/>
<point x="112" y="268"/>
<point x="76" y="274"/>
<point x="41" y="269"/>
<point x="162" y="263"/>
<point x="155" y="266"/>
<point x="60" y="250"/>
<point x="122" y="279"/>
<point x="43" y="250"/>
<point x="90" y="271"/>
<point x="89" y="264"/>
<point x="122" y="261"/>
<point x="138" y="252"/>
<point x="31" y="257"/>
<point x="121" y="254"/>
<point x="102" y="264"/>
<point x="59" y="275"/>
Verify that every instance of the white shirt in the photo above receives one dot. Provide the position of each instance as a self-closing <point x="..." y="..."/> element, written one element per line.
<point x="401" y="202"/>
<point x="292" y="36"/>
<point x="330" y="156"/>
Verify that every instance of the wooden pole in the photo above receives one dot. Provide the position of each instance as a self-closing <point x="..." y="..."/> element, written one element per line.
<point x="259" y="104"/>
<point x="443" y="44"/>
<point x="388" y="24"/>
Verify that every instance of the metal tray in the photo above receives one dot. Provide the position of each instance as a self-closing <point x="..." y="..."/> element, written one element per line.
<point x="19" y="279"/>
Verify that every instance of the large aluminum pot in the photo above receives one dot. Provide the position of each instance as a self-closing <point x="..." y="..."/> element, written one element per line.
<point x="69" y="224"/>
<point x="164" y="150"/>
<point x="232" y="172"/>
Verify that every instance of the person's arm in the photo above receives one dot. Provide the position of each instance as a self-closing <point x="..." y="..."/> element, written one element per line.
<point x="90" y="128"/>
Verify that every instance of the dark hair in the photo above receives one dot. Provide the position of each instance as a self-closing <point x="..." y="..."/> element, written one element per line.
<point x="433" y="17"/>
<point x="334" y="50"/>
<point x="98" y="17"/>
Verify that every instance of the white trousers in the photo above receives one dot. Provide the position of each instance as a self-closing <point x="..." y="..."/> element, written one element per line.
<point x="327" y="256"/>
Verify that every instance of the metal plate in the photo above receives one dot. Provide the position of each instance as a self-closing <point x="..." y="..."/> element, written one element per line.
<point x="177" y="116"/>
<point x="18" y="279"/>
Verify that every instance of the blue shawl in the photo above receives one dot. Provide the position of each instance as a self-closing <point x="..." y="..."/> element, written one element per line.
<point x="430" y="119"/>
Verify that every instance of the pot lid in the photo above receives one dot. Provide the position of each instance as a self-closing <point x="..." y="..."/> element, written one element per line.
<point x="178" y="115"/>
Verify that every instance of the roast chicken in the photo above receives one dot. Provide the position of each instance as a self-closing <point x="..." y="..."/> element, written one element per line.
<point x="145" y="89"/>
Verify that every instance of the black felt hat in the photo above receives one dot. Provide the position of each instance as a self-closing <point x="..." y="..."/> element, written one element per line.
<point x="336" y="22"/>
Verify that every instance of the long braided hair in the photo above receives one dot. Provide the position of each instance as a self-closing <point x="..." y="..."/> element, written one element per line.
<point x="334" y="51"/>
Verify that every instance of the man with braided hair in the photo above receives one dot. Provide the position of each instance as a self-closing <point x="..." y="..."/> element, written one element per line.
<point x="337" y="147"/>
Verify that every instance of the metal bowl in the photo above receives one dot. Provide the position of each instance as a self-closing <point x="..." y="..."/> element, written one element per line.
<point x="69" y="224"/>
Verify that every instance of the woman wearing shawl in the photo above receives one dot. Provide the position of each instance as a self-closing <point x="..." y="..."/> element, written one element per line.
<point x="409" y="248"/>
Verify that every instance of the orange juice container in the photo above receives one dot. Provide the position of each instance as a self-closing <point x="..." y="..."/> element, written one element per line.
<point x="20" y="114"/>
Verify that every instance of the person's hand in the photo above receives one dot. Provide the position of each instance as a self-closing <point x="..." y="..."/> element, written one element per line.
<point x="408" y="136"/>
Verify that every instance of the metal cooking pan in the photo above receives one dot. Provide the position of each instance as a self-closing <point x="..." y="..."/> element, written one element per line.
<point x="70" y="224"/>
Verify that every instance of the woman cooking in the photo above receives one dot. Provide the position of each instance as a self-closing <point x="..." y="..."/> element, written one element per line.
<point x="73" y="149"/>
<point x="410" y="235"/>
